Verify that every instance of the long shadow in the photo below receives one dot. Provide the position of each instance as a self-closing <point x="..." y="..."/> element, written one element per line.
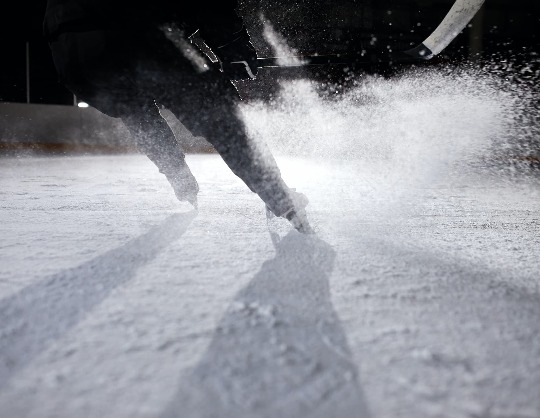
<point x="41" y="313"/>
<point x="280" y="349"/>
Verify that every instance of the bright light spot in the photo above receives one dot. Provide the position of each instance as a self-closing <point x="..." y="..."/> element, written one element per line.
<point x="82" y="104"/>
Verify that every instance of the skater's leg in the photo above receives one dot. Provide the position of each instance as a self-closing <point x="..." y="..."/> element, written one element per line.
<point x="97" y="66"/>
<point x="220" y="125"/>
<point x="154" y="137"/>
<point x="212" y="112"/>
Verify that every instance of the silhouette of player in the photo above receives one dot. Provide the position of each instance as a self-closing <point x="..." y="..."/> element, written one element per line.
<point x="127" y="57"/>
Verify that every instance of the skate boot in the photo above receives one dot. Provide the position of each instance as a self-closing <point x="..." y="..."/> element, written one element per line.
<point x="184" y="184"/>
<point x="296" y="215"/>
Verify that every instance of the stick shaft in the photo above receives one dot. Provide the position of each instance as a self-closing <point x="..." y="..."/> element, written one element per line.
<point x="339" y="59"/>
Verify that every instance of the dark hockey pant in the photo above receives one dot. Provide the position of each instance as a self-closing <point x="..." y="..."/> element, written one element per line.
<point x="128" y="74"/>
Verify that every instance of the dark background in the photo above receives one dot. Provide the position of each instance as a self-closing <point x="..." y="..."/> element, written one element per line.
<point x="507" y="29"/>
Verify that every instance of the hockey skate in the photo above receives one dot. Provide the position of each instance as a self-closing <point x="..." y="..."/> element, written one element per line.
<point x="296" y="215"/>
<point x="185" y="185"/>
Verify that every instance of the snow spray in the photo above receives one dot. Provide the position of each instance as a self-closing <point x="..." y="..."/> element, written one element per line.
<point x="413" y="130"/>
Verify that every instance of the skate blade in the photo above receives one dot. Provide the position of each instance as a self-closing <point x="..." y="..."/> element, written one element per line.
<point x="302" y="226"/>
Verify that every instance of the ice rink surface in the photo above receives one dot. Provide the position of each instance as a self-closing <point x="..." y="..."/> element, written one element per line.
<point x="413" y="299"/>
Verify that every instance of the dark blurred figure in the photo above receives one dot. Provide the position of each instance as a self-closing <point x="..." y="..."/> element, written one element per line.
<point x="127" y="57"/>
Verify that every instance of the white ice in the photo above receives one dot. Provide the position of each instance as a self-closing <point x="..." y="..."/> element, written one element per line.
<point x="118" y="301"/>
<point x="417" y="297"/>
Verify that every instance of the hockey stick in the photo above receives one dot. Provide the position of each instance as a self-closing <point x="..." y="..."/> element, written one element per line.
<point x="370" y="57"/>
<point x="453" y="23"/>
<point x="366" y="57"/>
